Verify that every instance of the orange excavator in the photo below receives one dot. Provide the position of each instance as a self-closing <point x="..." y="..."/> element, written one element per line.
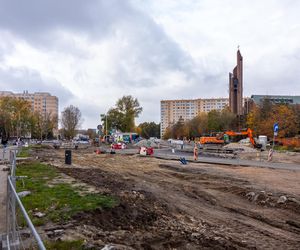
<point x="219" y="139"/>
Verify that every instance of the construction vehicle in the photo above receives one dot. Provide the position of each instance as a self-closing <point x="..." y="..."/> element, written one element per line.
<point x="211" y="140"/>
<point x="222" y="138"/>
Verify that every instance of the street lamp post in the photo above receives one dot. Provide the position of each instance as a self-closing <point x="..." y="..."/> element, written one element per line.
<point x="106" y="125"/>
<point x="102" y="115"/>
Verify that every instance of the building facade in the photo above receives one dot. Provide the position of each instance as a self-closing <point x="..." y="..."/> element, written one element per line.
<point x="276" y="99"/>
<point x="172" y="111"/>
<point x="41" y="102"/>
<point x="236" y="87"/>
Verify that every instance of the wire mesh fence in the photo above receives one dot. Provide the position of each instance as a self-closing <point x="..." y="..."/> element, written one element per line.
<point x="20" y="232"/>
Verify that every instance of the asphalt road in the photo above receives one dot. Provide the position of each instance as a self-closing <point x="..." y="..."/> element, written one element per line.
<point x="167" y="154"/>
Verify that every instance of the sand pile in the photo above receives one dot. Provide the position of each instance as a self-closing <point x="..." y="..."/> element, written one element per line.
<point x="146" y="143"/>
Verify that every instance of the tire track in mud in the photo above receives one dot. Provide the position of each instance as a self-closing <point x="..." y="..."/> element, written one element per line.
<point x="234" y="234"/>
<point x="262" y="224"/>
<point x="143" y="214"/>
<point x="163" y="207"/>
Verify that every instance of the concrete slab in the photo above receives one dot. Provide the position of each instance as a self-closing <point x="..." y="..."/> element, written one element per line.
<point x="3" y="200"/>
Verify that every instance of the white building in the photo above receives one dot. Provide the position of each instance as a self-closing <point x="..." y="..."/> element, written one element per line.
<point x="173" y="110"/>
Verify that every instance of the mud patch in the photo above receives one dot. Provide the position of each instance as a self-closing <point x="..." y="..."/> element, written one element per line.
<point x="100" y="179"/>
<point x="191" y="207"/>
<point x="122" y="217"/>
<point x="80" y="187"/>
<point x="140" y="220"/>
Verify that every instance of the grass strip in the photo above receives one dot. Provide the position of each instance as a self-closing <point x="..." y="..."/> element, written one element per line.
<point x="65" y="245"/>
<point x="24" y="152"/>
<point x="59" y="201"/>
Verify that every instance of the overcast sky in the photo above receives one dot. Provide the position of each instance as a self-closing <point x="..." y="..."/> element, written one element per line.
<point x="90" y="53"/>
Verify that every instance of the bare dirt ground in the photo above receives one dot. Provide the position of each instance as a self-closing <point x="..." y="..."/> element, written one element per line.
<point x="165" y="205"/>
<point x="282" y="157"/>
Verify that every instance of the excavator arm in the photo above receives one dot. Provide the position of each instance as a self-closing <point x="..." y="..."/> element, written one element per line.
<point x="248" y="132"/>
<point x="218" y="139"/>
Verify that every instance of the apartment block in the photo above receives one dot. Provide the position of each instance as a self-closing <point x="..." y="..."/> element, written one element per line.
<point x="171" y="111"/>
<point x="41" y="102"/>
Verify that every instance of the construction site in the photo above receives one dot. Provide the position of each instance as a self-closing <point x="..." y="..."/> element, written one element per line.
<point x="128" y="125"/>
<point x="160" y="203"/>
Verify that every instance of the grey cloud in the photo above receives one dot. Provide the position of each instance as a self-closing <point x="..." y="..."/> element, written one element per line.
<point x="6" y="45"/>
<point x="148" y="53"/>
<point x="36" y="16"/>
<point x="35" y="20"/>
<point x="276" y="74"/>
<point x="20" y="79"/>
<point x="145" y="53"/>
<point x="149" y="49"/>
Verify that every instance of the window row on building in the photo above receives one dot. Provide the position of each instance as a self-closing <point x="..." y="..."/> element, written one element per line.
<point x="41" y="102"/>
<point x="173" y="110"/>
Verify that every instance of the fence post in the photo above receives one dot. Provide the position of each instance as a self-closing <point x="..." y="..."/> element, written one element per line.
<point x="11" y="200"/>
<point x="29" y="223"/>
<point x="12" y="237"/>
<point x="7" y="212"/>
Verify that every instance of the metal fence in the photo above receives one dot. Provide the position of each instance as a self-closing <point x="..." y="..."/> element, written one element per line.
<point x="20" y="232"/>
<point x="4" y="155"/>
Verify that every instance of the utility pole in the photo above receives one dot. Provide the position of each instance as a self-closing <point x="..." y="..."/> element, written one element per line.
<point x="106" y="124"/>
<point x="102" y="116"/>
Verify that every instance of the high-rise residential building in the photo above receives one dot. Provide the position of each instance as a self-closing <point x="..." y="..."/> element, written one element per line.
<point x="171" y="111"/>
<point x="236" y="87"/>
<point x="41" y="102"/>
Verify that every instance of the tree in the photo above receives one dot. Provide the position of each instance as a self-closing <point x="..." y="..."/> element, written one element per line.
<point x="178" y="130"/>
<point x="227" y="119"/>
<point x="202" y="124"/>
<point x="286" y="118"/>
<point x="220" y="120"/>
<point x="168" y="133"/>
<point x="123" y="114"/>
<point x="198" y="125"/>
<point x="115" y="119"/>
<point x="15" y="117"/>
<point x="43" y="125"/>
<point x="70" y="121"/>
<point x="296" y="109"/>
<point x="149" y="129"/>
<point x="263" y="116"/>
<point x="214" y="121"/>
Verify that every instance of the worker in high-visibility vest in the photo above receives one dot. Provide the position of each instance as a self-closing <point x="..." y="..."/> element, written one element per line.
<point x="195" y="152"/>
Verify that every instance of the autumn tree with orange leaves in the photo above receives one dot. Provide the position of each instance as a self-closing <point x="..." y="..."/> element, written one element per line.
<point x="263" y="116"/>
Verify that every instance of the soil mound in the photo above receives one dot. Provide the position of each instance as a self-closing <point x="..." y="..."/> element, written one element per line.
<point x="146" y="143"/>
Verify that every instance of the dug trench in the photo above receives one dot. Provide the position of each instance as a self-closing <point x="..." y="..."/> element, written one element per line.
<point x="169" y="208"/>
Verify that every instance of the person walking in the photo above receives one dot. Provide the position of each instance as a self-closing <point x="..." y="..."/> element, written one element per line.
<point x="195" y="152"/>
